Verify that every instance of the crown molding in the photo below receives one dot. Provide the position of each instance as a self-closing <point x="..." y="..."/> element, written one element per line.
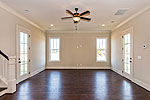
<point x="12" y="11"/>
<point x="130" y="18"/>
<point x="101" y="31"/>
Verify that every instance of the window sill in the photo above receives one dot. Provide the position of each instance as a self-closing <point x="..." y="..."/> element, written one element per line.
<point x="54" y="61"/>
<point x="101" y="61"/>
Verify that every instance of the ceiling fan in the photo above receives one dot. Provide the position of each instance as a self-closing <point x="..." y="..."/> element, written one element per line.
<point x="77" y="16"/>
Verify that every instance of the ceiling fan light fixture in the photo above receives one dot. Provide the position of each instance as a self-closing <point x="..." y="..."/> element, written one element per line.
<point x="76" y="19"/>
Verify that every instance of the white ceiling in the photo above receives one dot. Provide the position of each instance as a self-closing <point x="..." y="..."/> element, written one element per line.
<point x="47" y="12"/>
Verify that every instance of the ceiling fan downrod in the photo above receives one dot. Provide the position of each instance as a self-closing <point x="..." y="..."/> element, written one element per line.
<point x="76" y="9"/>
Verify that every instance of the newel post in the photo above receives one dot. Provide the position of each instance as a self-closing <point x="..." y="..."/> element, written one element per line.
<point x="12" y="75"/>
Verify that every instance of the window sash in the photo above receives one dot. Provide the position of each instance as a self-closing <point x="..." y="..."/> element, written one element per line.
<point x="101" y="49"/>
<point x="54" y="49"/>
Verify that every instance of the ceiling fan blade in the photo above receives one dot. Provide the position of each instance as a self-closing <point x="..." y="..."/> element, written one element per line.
<point x="66" y="17"/>
<point x="86" y="19"/>
<point x="86" y="13"/>
<point x="69" y="12"/>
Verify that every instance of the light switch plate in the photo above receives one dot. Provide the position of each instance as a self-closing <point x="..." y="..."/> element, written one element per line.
<point x="139" y="57"/>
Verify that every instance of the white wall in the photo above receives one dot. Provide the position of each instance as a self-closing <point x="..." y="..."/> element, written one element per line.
<point x="141" y="31"/>
<point x="8" y="24"/>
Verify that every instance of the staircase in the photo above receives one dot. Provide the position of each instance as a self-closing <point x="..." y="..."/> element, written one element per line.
<point x="7" y="74"/>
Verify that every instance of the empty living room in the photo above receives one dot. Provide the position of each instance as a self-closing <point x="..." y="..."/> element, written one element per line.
<point x="74" y="49"/>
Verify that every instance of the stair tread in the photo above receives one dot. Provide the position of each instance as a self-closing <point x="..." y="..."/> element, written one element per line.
<point x="2" y="89"/>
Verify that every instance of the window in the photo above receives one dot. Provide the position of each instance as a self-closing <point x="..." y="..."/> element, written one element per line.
<point x="54" y="49"/>
<point x="101" y="47"/>
<point x="127" y="53"/>
<point x="24" y="44"/>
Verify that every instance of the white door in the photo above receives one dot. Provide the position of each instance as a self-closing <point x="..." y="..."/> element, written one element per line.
<point x="127" y="57"/>
<point x="23" y="53"/>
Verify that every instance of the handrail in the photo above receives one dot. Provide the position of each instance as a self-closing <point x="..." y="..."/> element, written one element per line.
<point x="4" y="55"/>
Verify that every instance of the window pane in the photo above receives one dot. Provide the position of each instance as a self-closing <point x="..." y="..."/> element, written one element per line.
<point x="54" y="49"/>
<point x="23" y="48"/>
<point x="127" y="53"/>
<point x="57" y="44"/>
<point x="23" y="53"/>
<point x="22" y="70"/>
<point x="25" y="68"/>
<point x="101" y="49"/>
<point x="23" y="37"/>
<point x="51" y="43"/>
<point x="54" y="55"/>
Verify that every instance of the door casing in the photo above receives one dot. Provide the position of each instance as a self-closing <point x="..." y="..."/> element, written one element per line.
<point x="27" y="31"/>
<point x="127" y="31"/>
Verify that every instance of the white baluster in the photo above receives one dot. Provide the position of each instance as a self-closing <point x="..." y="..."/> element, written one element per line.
<point x="0" y="66"/>
<point x="3" y="68"/>
<point x="6" y="69"/>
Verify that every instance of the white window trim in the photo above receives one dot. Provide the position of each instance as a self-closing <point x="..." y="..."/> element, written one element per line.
<point x="49" y="49"/>
<point x="106" y="49"/>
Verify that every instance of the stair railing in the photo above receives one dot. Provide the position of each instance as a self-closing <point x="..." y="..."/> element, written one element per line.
<point x="8" y="72"/>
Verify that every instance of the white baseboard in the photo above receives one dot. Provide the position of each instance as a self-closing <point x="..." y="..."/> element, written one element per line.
<point x="142" y="84"/>
<point x="32" y="74"/>
<point x="11" y="86"/>
<point x="136" y="81"/>
<point x="76" y="67"/>
<point x="117" y="71"/>
<point x="37" y="71"/>
<point x="3" y="92"/>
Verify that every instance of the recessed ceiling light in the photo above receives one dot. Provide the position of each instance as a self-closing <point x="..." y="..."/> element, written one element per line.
<point x="103" y="25"/>
<point x="52" y="25"/>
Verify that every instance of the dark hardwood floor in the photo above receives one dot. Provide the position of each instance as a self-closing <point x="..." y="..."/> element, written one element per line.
<point x="78" y="85"/>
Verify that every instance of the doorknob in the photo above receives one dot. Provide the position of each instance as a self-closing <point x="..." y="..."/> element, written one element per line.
<point x="19" y="60"/>
<point x="130" y="61"/>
